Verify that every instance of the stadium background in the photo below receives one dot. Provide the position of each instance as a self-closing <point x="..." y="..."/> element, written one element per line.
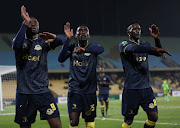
<point x="107" y="21"/>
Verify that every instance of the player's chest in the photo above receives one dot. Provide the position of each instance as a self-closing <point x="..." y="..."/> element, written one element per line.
<point x="83" y="57"/>
<point x="140" y="57"/>
<point x="102" y="79"/>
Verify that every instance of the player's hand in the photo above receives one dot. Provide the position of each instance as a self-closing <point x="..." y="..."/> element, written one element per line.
<point x="49" y="37"/>
<point x="78" y="50"/>
<point x="68" y="31"/>
<point x="161" y="51"/>
<point x="25" y="15"/>
<point x="154" y="31"/>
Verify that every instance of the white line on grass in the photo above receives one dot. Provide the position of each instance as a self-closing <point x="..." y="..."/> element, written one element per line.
<point x="112" y="119"/>
<point x="142" y="122"/>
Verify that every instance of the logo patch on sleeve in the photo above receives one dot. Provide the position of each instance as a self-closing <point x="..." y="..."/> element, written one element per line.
<point x="124" y="43"/>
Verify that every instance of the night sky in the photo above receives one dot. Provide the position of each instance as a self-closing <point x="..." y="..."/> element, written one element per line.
<point x="103" y="17"/>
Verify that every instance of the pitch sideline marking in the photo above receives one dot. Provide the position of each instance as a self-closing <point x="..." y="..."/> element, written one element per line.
<point x="113" y="119"/>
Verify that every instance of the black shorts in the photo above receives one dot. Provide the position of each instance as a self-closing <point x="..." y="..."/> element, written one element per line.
<point x="85" y="103"/>
<point x="27" y="106"/>
<point x="133" y="98"/>
<point x="104" y="97"/>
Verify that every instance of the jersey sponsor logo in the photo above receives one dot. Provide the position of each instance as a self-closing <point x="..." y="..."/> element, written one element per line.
<point x="38" y="47"/>
<point x="104" y="79"/>
<point x="77" y="63"/>
<point x="124" y="43"/>
<point x="31" y="58"/>
<point x="87" y="54"/>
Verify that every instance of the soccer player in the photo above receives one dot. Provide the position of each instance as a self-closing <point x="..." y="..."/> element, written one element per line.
<point x="166" y="90"/>
<point x="137" y="90"/>
<point x="32" y="75"/>
<point x="82" y="79"/>
<point x="103" y="81"/>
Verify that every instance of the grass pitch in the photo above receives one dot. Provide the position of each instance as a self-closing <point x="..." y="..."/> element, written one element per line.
<point x="169" y="116"/>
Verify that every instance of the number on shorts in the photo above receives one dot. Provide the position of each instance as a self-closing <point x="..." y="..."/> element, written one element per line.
<point x="155" y="102"/>
<point x="53" y="106"/>
<point x="92" y="107"/>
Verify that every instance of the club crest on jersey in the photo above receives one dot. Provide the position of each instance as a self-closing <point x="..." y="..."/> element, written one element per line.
<point x="124" y="43"/>
<point x="38" y="47"/>
<point x="87" y="54"/>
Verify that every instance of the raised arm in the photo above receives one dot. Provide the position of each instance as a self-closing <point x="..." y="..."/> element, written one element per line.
<point x="154" y="31"/>
<point x="94" y="48"/>
<point x="56" y="40"/>
<point x="18" y="40"/>
<point x="64" y="54"/>
<point x="133" y="48"/>
<point x="53" y="39"/>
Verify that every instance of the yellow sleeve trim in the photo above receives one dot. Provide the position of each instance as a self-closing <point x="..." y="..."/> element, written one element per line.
<point x="125" y="48"/>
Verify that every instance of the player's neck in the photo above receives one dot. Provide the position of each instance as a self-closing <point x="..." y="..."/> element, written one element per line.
<point x="101" y="74"/>
<point x="32" y="37"/>
<point x="83" y="43"/>
<point x="135" y="40"/>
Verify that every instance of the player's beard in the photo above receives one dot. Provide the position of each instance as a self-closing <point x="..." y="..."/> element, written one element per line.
<point x="31" y="32"/>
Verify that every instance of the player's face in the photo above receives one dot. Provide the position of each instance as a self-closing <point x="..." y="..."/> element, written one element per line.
<point x="134" y="31"/>
<point x="82" y="33"/>
<point x="33" y="26"/>
<point x="101" y="70"/>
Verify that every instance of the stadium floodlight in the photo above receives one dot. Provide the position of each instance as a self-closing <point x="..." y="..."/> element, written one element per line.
<point x="7" y="89"/>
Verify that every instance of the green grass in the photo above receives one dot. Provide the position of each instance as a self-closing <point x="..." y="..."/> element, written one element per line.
<point x="169" y="113"/>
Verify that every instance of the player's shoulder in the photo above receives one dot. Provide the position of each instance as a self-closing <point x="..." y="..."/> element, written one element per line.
<point x="124" y="43"/>
<point x="144" y="43"/>
<point x="107" y="76"/>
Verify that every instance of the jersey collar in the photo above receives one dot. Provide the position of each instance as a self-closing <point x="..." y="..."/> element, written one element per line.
<point x="134" y="41"/>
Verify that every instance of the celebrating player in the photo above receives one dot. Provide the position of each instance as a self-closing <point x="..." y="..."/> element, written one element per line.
<point x="32" y="75"/>
<point x="104" y="81"/>
<point x="137" y="90"/>
<point x="82" y="79"/>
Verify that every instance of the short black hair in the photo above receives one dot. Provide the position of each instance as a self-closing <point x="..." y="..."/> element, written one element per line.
<point x="134" y="22"/>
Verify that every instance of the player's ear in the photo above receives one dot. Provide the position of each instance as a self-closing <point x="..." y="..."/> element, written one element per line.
<point x="88" y="35"/>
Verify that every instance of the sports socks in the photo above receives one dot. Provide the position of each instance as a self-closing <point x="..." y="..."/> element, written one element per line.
<point x="90" y="124"/>
<point x="149" y="124"/>
<point x="73" y="126"/>
<point x="102" y="110"/>
<point x="124" y="125"/>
